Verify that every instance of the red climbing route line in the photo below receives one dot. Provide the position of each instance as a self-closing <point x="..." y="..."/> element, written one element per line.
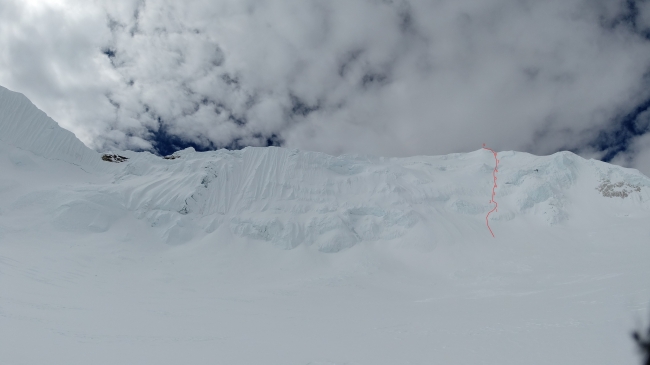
<point x="494" y="175"/>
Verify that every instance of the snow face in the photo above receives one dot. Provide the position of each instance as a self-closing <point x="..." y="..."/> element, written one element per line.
<point x="28" y="128"/>
<point x="289" y="198"/>
<point x="277" y="256"/>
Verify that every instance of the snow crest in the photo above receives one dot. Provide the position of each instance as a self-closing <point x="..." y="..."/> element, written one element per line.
<point x="25" y="126"/>
<point x="285" y="197"/>
<point x="289" y="198"/>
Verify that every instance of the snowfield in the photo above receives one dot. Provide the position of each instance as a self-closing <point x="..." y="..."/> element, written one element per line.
<point x="277" y="256"/>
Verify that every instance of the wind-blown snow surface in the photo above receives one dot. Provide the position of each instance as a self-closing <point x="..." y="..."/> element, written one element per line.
<point x="276" y="256"/>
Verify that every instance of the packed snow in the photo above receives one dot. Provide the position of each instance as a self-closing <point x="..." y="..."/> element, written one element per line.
<point x="278" y="256"/>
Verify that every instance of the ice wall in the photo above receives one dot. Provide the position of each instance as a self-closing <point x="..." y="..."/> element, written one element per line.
<point x="290" y="197"/>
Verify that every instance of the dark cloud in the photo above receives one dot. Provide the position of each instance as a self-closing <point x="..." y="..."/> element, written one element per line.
<point x="372" y="76"/>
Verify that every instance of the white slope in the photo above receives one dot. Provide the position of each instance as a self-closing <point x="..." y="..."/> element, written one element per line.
<point x="28" y="128"/>
<point x="276" y="256"/>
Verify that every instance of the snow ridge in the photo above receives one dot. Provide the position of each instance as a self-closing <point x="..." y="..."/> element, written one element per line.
<point x="209" y="255"/>
<point x="290" y="198"/>
<point x="25" y="126"/>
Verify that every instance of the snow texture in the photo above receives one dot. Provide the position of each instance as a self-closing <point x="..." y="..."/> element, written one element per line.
<point x="278" y="256"/>
<point x="26" y="127"/>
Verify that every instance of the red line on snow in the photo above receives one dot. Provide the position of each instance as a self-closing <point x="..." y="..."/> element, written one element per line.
<point x="494" y="175"/>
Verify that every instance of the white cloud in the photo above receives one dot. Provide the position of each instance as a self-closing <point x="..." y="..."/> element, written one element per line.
<point x="637" y="156"/>
<point x="641" y="159"/>
<point x="368" y="76"/>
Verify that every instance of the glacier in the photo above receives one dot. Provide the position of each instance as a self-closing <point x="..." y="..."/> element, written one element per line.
<point x="280" y="256"/>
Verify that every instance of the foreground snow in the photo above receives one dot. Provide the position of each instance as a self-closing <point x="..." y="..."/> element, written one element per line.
<point x="274" y="256"/>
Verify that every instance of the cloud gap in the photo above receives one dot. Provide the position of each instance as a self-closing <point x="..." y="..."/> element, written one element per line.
<point x="617" y="139"/>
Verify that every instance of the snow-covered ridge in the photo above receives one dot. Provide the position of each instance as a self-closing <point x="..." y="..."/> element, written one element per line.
<point x="290" y="198"/>
<point x="25" y="126"/>
<point x="133" y="258"/>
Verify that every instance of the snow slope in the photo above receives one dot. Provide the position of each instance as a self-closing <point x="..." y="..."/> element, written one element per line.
<point x="28" y="128"/>
<point x="277" y="256"/>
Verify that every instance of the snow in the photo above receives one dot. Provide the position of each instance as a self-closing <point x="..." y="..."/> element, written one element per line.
<point x="28" y="128"/>
<point x="277" y="256"/>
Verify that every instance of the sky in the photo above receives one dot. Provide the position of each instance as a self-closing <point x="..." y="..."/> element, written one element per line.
<point x="379" y="77"/>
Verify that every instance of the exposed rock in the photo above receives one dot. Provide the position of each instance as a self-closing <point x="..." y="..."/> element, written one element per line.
<point x="620" y="189"/>
<point x="114" y="158"/>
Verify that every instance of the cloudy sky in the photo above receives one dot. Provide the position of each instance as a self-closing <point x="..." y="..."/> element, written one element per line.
<point x="381" y="77"/>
